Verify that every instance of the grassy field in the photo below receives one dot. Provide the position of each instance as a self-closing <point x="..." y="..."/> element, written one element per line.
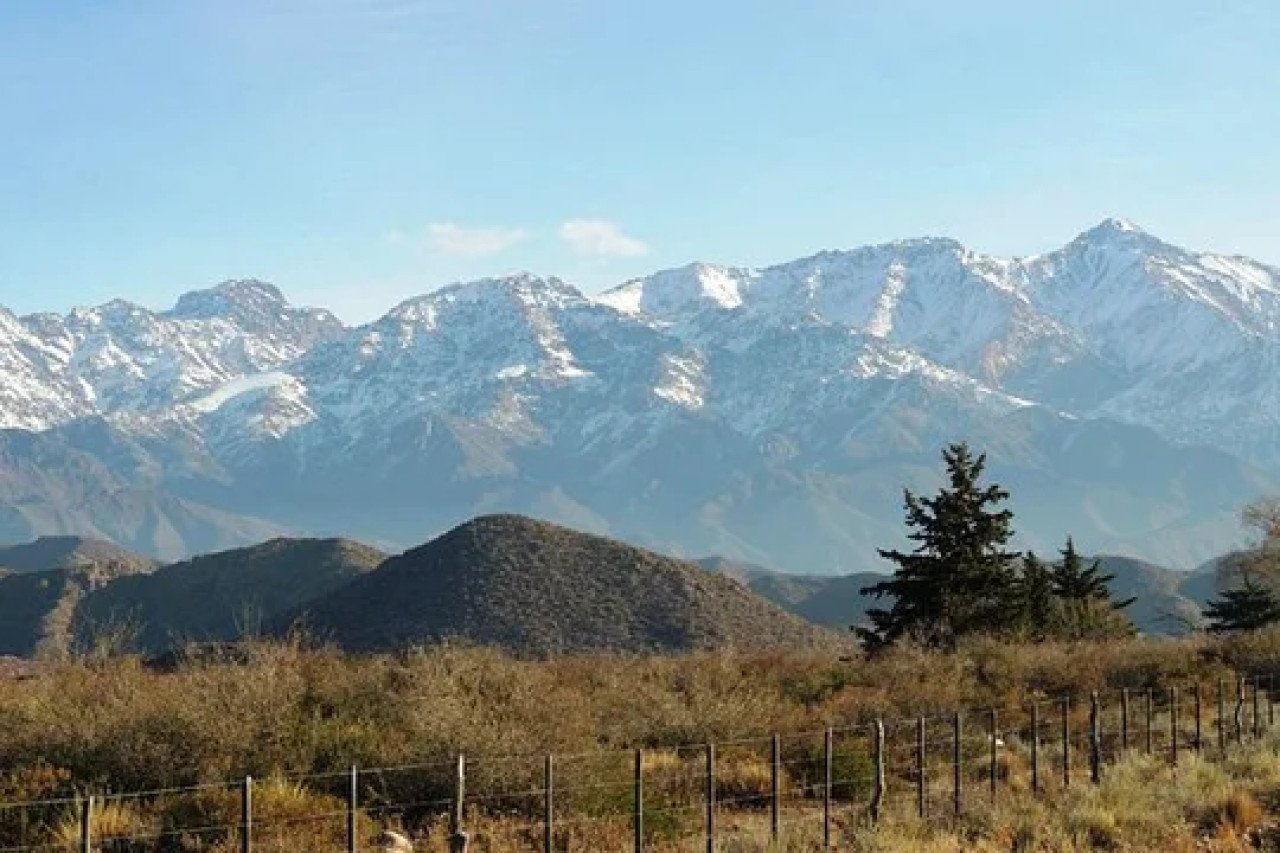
<point x="297" y="718"/>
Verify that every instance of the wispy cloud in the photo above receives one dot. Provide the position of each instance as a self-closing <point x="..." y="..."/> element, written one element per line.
<point x="449" y="238"/>
<point x="601" y="239"/>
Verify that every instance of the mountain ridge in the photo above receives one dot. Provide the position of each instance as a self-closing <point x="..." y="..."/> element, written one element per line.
<point x="771" y="413"/>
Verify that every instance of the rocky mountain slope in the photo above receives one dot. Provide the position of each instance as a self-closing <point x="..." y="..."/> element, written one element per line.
<point x="1126" y="391"/>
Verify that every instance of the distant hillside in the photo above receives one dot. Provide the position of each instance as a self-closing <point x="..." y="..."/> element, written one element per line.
<point x="1162" y="605"/>
<point x="36" y="609"/>
<point x="538" y="588"/>
<point x="1168" y="600"/>
<point x="72" y="552"/>
<point x="1201" y="585"/>
<point x="43" y="582"/>
<point x="835" y="601"/>
<point x="219" y="596"/>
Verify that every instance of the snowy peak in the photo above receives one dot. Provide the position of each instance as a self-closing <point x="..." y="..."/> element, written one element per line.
<point x="257" y="307"/>
<point x="121" y="360"/>
<point x="1126" y="290"/>
<point x="232" y="298"/>
<point x="1114" y="227"/>
<point x="680" y="292"/>
<point x="472" y="350"/>
<point x="518" y="292"/>
<point x="929" y="293"/>
<point x="1118" y="241"/>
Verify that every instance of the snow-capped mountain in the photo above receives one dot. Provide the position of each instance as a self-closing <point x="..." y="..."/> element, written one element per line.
<point x="1115" y="324"/>
<point x="121" y="359"/>
<point x="1126" y="389"/>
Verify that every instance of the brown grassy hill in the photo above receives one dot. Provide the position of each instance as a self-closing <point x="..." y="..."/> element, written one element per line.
<point x="73" y="552"/>
<point x="540" y="589"/>
<point x="220" y="596"/>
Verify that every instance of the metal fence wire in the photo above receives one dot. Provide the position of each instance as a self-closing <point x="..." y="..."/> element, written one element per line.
<point x="807" y="785"/>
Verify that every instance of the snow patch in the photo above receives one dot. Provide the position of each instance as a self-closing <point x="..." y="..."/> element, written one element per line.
<point x="681" y="383"/>
<point x="514" y="371"/>
<point x="228" y="391"/>
<point x="881" y="322"/>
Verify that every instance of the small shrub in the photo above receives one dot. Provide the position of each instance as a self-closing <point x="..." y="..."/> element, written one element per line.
<point x="746" y="778"/>
<point x="1096" y="828"/>
<point x="1239" y="812"/>
<point x="851" y="768"/>
<point x="34" y="783"/>
<point x="113" y="821"/>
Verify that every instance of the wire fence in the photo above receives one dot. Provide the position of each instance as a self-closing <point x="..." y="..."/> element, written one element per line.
<point x="808" y="785"/>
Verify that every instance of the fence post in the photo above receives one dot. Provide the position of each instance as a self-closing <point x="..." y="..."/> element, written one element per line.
<point x="711" y="798"/>
<point x="826" y="789"/>
<point x="1095" y="740"/>
<point x="1066" y="741"/>
<point x="1173" y="726"/>
<point x="877" y="750"/>
<point x="1199" y="731"/>
<point x="548" y="804"/>
<point x="1238" y="717"/>
<point x="1257" y="720"/>
<point x="922" y="799"/>
<point x="246" y="815"/>
<point x="1124" y="719"/>
<point x="638" y="811"/>
<point x="957" y="766"/>
<point x="1150" y="717"/>
<point x="995" y="762"/>
<point x="353" y="803"/>
<point x="86" y="825"/>
<point x="1222" y="716"/>
<point x="459" y="840"/>
<point x="775" y="790"/>
<point x="1035" y="748"/>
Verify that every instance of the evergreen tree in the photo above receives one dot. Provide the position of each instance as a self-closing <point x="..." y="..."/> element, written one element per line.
<point x="1072" y="581"/>
<point x="1037" y="603"/>
<point x="959" y="579"/>
<point x="1084" y="594"/>
<point x="1246" y="608"/>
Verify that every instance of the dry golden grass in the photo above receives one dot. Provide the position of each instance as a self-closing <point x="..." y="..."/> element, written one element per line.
<point x="285" y="711"/>
<point x="112" y="821"/>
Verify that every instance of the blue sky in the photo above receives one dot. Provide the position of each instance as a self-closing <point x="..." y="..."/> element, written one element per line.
<point x="357" y="153"/>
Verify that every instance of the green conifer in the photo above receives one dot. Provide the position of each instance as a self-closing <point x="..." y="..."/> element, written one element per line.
<point x="960" y="578"/>
<point x="1036" y="600"/>
<point x="1246" y="608"/>
<point x="1086" y="608"/>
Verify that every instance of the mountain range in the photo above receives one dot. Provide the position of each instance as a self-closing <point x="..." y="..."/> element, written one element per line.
<point x="525" y="585"/>
<point x="518" y="583"/>
<point x="1125" y="389"/>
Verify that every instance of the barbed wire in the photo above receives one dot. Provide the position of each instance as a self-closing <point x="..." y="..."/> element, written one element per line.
<point x="1149" y="720"/>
